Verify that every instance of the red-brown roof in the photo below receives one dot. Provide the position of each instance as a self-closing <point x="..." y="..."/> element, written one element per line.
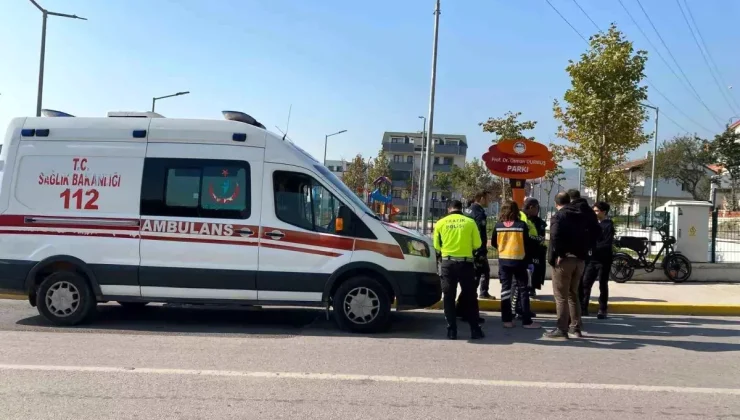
<point x="632" y="164"/>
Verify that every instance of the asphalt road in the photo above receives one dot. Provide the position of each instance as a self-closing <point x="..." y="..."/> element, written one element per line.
<point x="191" y="363"/>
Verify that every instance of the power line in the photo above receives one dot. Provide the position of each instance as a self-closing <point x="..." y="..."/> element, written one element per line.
<point x="647" y="80"/>
<point x="656" y="49"/>
<point x="704" y="56"/>
<point x="668" y="117"/>
<point x="662" y="41"/>
<point x="670" y="102"/>
<point x="587" y="16"/>
<point x="709" y="54"/>
<point x="566" y="21"/>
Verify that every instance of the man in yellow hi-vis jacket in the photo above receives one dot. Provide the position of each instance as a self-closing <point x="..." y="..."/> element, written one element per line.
<point x="456" y="237"/>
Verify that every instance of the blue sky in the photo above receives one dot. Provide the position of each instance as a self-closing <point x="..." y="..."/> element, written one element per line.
<point x="354" y="65"/>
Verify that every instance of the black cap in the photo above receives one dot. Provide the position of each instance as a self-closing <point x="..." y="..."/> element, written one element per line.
<point x="531" y="202"/>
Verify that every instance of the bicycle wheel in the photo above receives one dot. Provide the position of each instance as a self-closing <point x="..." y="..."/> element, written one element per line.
<point x="622" y="269"/>
<point x="677" y="268"/>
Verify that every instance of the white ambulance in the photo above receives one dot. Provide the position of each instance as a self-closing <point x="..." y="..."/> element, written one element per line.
<point x="138" y="208"/>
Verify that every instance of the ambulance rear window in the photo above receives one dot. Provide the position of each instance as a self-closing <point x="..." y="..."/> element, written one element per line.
<point x="202" y="188"/>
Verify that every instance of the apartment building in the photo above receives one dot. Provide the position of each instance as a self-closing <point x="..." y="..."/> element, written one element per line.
<point x="337" y="167"/>
<point x="405" y="151"/>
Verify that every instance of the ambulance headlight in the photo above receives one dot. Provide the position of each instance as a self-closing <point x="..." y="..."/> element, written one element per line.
<point x="411" y="246"/>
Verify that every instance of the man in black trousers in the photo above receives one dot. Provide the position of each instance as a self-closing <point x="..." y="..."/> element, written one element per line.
<point x="599" y="265"/>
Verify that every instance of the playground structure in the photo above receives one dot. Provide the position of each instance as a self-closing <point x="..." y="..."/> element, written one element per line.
<point x="381" y="203"/>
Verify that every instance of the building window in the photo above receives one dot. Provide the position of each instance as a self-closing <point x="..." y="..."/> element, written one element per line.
<point x="447" y="161"/>
<point x="436" y="160"/>
<point x="434" y="195"/>
<point x="197" y="188"/>
<point x="453" y="142"/>
<point x="398" y="140"/>
<point x="397" y="193"/>
<point x="397" y="158"/>
<point x="409" y="159"/>
<point x="331" y="169"/>
<point x="301" y="201"/>
<point x="438" y="141"/>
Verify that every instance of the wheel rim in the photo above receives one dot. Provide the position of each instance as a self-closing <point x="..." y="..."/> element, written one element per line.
<point x="678" y="269"/>
<point x="361" y="305"/>
<point x="620" y="269"/>
<point x="63" y="299"/>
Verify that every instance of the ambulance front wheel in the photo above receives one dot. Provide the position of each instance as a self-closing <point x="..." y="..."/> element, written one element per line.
<point x="362" y="304"/>
<point x="65" y="298"/>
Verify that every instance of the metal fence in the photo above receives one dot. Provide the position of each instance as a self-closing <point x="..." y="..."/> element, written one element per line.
<point x="724" y="237"/>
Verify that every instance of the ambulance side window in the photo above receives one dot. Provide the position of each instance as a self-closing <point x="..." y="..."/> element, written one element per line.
<point x="301" y="201"/>
<point x="198" y="188"/>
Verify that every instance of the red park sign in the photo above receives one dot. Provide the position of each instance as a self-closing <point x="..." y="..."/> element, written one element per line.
<point x="519" y="159"/>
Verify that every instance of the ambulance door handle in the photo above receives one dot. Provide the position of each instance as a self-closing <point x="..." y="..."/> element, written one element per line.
<point x="275" y="234"/>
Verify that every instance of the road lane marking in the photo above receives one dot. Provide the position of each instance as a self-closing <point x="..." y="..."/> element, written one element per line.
<point x="373" y="378"/>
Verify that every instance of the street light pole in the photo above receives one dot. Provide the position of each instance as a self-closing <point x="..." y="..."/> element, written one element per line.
<point x="326" y="141"/>
<point x="430" y="128"/>
<point x="154" y="100"/>
<point x="652" y="172"/>
<point x="421" y="166"/>
<point x="45" y="15"/>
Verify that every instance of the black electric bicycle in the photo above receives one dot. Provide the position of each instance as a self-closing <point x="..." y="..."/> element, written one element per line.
<point x="675" y="265"/>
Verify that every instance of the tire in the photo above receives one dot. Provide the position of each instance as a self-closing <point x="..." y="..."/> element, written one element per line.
<point x="74" y="302"/>
<point x="363" y="292"/>
<point x="621" y="270"/>
<point x="133" y="305"/>
<point x="677" y="268"/>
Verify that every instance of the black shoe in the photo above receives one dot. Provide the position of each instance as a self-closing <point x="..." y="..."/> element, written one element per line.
<point x="486" y="295"/>
<point x="575" y="333"/>
<point x="555" y="334"/>
<point x="476" y="333"/>
<point x="452" y="333"/>
<point x="601" y="315"/>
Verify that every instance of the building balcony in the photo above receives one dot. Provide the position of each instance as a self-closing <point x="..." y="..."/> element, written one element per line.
<point x="440" y="149"/>
<point x="450" y="149"/>
<point x="398" y="147"/>
<point x="439" y="167"/>
<point x="402" y="166"/>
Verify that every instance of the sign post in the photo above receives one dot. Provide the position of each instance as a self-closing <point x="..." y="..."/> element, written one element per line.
<point x="518" y="160"/>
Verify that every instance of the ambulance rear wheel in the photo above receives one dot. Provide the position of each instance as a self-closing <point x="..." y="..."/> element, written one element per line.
<point x="65" y="298"/>
<point x="361" y="304"/>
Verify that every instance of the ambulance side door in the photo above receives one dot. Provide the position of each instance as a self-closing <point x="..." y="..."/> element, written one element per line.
<point x="200" y="221"/>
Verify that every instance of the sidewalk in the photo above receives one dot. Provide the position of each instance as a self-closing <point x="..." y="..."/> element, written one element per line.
<point x="643" y="298"/>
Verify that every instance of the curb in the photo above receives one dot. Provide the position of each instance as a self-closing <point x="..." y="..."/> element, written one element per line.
<point x="13" y="296"/>
<point x="641" y="308"/>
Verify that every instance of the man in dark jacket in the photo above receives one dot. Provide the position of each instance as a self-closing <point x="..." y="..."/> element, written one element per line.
<point x="532" y="210"/>
<point x="598" y="266"/>
<point x="567" y="255"/>
<point x="477" y="211"/>
<point x="591" y="223"/>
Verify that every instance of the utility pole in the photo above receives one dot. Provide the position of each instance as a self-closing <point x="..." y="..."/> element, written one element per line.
<point x="421" y="169"/>
<point x="430" y="129"/>
<point x="45" y="15"/>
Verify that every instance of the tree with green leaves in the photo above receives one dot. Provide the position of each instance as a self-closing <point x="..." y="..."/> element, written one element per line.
<point x="726" y="148"/>
<point x="444" y="183"/>
<point x="685" y="159"/>
<point x="355" y="176"/>
<point x="557" y="175"/>
<point x="506" y="128"/>
<point x="473" y="177"/>
<point x="602" y="115"/>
